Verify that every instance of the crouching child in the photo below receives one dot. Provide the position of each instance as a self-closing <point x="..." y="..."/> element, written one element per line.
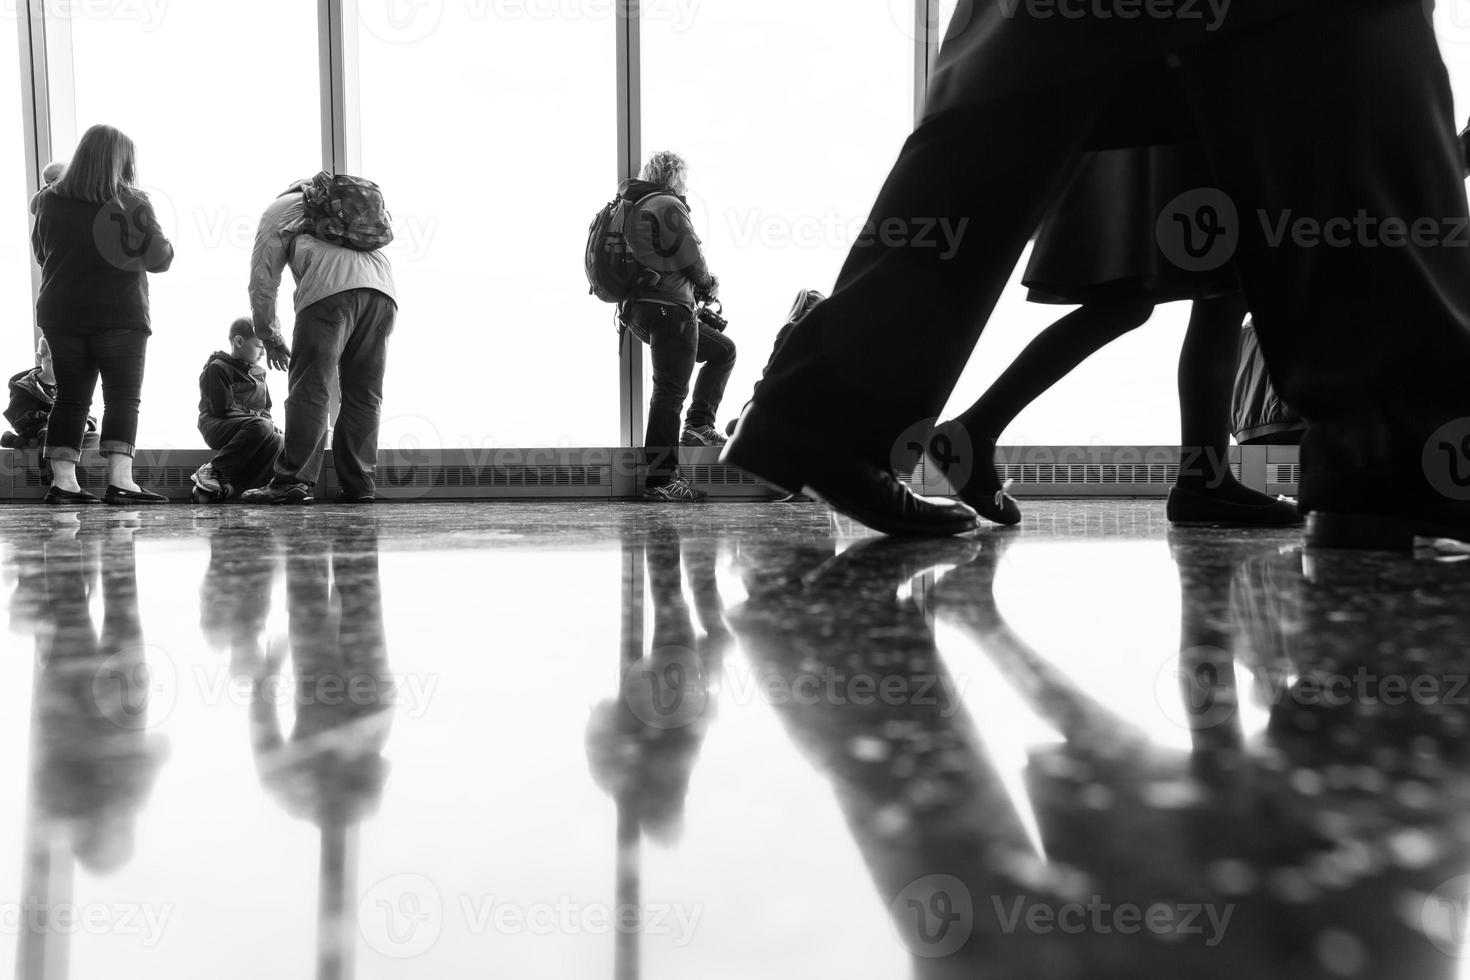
<point x="32" y="396"/>
<point x="235" y="420"/>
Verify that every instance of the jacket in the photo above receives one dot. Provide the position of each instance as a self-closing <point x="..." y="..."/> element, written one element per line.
<point x="95" y="260"/>
<point x="230" y="388"/>
<point x="662" y="238"/>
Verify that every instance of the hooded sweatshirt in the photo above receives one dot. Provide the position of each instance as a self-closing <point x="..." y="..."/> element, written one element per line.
<point x="230" y="388"/>
<point x="662" y="238"/>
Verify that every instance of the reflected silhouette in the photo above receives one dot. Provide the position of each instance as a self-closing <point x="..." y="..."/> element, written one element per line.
<point x="235" y="596"/>
<point x="329" y="767"/>
<point x="93" y="760"/>
<point x="642" y="746"/>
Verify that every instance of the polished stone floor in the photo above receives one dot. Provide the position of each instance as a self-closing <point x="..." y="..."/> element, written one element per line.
<point x="731" y="741"/>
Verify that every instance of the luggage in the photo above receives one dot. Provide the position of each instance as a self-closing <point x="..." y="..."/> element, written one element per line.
<point x="347" y="211"/>
<point x="613" y="273"/>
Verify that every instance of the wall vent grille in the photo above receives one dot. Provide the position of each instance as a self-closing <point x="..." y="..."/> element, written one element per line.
<point x="509" y="477"/>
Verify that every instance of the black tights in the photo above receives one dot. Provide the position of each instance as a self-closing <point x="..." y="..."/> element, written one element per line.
<point x="1206" y="377"/>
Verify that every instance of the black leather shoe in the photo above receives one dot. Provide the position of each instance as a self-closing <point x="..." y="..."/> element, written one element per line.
<point x="983" y="491"/>
<point x="1190" y="508"/>
<point x="794" y="458"/>
<point x="58" y="497"/>
<point x="117" y="496"/>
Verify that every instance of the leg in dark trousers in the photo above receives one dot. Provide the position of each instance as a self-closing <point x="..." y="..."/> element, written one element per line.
<point x="717" y="353"/>
<point x="328" y="340"/>
<point x="673" y="340"/>
<point x="76" y="382"/>
<point x="246" y="451"/>
<point x="363" y="363"/>
<point x="1365" y="333"/>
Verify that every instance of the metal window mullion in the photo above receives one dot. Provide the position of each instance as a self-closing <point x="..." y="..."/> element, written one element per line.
<point x="48" y="97"/>
<point x="630" y="151"/>
<point x="926" y="51"/>
<point x="337" y="34"/>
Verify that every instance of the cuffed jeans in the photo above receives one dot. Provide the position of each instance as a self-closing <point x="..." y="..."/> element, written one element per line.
<point x="678" y="341"/>
<point x="79" y="359"/>
<point x="344" y="335"/>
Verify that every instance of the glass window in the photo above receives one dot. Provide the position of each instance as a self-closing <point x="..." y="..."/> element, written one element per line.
<point x="492" y="128"/>
<point x="16" y="306"/>
<point x="790" y="115"/>
<point x="218" y="137"/>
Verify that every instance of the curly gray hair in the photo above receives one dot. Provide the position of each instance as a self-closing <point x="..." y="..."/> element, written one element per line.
<point x="667" y="169"/>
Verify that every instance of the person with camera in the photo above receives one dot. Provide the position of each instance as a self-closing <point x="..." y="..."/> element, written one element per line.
<point x="675" y="312"/>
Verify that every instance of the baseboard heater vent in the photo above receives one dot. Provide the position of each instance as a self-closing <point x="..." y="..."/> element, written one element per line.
<point x="1093" y="474"/>
<point x="508" y="477"/>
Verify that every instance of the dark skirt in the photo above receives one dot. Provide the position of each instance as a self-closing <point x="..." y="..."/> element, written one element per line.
<point x="1101" y="238"/>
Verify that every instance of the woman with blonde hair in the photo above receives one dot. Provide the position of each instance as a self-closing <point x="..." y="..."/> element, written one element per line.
<point x="96" y="238"/>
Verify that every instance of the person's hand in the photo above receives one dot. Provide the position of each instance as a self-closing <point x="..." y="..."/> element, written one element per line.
<point x="277" y="354"/>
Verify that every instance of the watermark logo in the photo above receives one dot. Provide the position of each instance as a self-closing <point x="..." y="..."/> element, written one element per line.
<point x="1445" y="917"/>
<point x="667" y="689"/>
<point x="949" y="448"/>
<point x="136" y="688"/>
<point x="1450" y="18"/>
<point x="1199" y="231"/>
<point x="1197" y="691"/>
<point x="935" y="916"/>
<point x="401" y="917"/>
<point x="1447" y="460"/>
<point x="400" y="21"/>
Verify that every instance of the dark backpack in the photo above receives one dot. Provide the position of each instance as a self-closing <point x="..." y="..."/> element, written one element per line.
<point x="613" y="273"/>
<point x="347" y="211"/>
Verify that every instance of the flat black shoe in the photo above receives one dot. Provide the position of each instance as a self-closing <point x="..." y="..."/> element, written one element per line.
<point x="363" y="499"/>
<point x="58" y="497"/>
<point x="119" y="497"/>
<point x="983" y="491"/>
<point x="1191" y="508"/>
<point x="794" y="458"/>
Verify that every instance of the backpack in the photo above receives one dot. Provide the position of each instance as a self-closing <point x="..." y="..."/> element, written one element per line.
<point x="347" y="211"/>
<point x="1258" y="415"/>
<point x="613" y="272"/>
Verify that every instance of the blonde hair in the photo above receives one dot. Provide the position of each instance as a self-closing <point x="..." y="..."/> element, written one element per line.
<point x="105" y="164"/>
<point x="667" y="169"/>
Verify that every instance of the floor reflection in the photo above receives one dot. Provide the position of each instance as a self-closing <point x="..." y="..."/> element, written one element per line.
<point x="1088" y="748"/>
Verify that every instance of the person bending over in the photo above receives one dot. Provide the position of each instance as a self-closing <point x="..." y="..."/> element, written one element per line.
<point x="235" y="419"/>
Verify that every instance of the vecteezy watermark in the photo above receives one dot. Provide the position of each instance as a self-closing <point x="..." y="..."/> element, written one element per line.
<point x="934" y="916"/>
<point x="1098" y="917"/>
<point x="35" y="916"/>
<point x="1200" y="689"/>
<point x="1201" y="230"/>
<point x="1447" y="459"/>
<point x="1450" y="18"/>
<point x="669" y="689"/>
<point x="404" y="916"/>
<point x="1445" y="917"/>
<point x="412" y="21"/>
<point x="949" y="448"/>
<point x="1211" y="13"/>
<point x="147" y="14"/>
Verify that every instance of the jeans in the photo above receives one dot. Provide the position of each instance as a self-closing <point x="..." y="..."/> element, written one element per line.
<point x="345" y="335"/>
<point x="246" y="450"/>
<point x="677" y="342"/>
<point x="117" y="356"/>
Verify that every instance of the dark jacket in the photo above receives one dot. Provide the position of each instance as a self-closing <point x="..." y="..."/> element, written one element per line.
<point x="663" y="239"/>
<point x="1258" y="416"/>
<point x="229" y="388"/>
<point x="95" y="260"/>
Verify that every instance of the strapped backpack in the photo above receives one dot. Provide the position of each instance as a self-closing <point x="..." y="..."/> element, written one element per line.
<point x="613" y="272"/>
<point x="347" y="211"/>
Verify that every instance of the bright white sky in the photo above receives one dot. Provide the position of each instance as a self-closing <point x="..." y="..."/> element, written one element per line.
<point x="491" y="128"/>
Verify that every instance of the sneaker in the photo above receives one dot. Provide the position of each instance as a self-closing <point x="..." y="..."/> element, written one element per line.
<point x="676" y="491"/>
<point x="206" y="479"/>
<point x="295" y="493"/>
<point x="704" y="435"/>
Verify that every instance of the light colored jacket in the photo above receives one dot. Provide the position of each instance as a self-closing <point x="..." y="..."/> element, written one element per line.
<point x="321" y="269"/>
